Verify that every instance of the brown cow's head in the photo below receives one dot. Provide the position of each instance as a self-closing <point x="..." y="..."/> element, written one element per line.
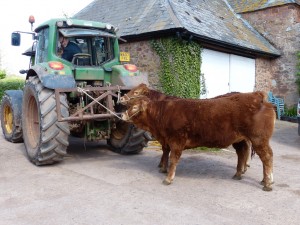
<point x="136" y="92"/>
<point x="137" y="106"/>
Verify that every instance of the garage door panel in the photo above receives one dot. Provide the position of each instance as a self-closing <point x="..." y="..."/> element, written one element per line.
<point x="242" y="74"/>
<point x="215" y="67"/>
<point x="225" y="73"/>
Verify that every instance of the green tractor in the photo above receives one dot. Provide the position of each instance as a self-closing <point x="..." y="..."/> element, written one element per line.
<point x="78" y="97"/>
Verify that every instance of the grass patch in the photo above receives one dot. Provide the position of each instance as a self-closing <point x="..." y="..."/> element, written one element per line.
<point x="203" y="149"/>
<point x="11" y="83"/>
<point x="206" y="149"/>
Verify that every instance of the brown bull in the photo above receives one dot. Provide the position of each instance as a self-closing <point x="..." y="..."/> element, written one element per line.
<point x="243" y="148"/>
<point x="182" y="124"/>
<point x="143" y="90"/>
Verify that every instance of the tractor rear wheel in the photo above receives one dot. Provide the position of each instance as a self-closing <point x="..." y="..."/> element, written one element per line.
<point x="11" y="117"/>
<point x="127" y="139"/>
<point x="45" y="138"/>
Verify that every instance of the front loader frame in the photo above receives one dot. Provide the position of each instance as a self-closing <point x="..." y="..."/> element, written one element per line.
<point x="87" y="112"/>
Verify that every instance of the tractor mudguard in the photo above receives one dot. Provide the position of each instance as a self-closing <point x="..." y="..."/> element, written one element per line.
<point x="16" y="97"/>
<point x="53" y="79"/>
<point x="121" y="76"/>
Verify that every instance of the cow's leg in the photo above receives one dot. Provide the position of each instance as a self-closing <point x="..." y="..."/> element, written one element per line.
<point x="243" y="153"/>
<point x="248" y="155"/>
<point x="163" y="165"/>
<point x="174" y="158"/>
<point x="265" y="154"/>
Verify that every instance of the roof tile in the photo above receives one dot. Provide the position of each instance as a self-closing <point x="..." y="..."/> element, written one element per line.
<point x="212" y="20"/>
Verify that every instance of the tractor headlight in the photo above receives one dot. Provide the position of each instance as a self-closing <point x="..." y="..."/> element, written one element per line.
<point x="108" y="26"/>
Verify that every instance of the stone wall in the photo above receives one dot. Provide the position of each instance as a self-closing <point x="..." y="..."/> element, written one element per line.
<point x="263" y="74"/>
<point x="280" y="25"/>
<point x="148" y="62"/>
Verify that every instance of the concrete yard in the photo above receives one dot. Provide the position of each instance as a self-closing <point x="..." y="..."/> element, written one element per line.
<point x="96" y="186"/>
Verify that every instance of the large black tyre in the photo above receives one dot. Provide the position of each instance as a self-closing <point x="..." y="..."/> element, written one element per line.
<point x="11" y="107"/>
<point x="45" y="138"/>
<point x="127" y="139"/>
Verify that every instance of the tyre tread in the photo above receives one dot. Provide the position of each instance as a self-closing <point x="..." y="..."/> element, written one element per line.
<point x="54" y="134"/>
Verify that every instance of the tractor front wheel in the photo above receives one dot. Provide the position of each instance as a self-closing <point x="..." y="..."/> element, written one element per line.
<point x="11" y="116"/>
<point x="127" y="139"/>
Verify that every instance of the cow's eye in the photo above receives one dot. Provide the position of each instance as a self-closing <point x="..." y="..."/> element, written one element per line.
<point x="135" y="108"/>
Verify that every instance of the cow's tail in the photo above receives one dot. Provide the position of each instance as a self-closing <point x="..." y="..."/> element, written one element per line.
<point x="263" y="95"/>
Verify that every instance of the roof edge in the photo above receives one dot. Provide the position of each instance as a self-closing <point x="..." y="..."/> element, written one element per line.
<point x="240" y="50"/>
<point x="204" y="41"/>
<point x="266" y="7"/>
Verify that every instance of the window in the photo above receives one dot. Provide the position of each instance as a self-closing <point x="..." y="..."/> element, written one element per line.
<point x="42" y="46"/>
<point x="103" y="50"/>
<point x="98" y="45"/>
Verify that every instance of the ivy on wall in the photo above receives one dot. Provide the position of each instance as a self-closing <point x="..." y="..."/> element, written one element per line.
<point x="180" y="73"/>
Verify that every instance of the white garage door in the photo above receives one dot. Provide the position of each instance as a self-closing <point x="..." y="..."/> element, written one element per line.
<point x="226" y="73"/>
<point x="242" y="74"/>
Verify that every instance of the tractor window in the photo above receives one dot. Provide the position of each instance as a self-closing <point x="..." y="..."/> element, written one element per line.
<point x="103" y="50"/>
<point x="42" y="46"/>
<point x="97" y="46"/>
<point x="99" y="49"/>
<point x="83" y="44"/>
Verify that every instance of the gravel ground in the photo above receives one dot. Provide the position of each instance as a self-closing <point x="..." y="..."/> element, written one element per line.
<point x="96" y="186"/>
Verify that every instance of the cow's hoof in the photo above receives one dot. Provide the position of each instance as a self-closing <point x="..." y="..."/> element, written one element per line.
<point x="162" y="170"/>
<point x="263" y="182"/>
<point x="236" y="177"/>
<point x="166" y="182"/>
<point x="265" y="188"/>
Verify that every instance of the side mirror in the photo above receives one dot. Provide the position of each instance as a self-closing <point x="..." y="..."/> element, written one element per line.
<point x="23" y="71"/>
<point x="15" y="39"/>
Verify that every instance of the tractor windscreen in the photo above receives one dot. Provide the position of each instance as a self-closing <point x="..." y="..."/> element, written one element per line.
<point x="97" y="47"/>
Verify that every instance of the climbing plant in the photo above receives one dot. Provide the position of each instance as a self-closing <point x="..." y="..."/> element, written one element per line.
<point x="180" y="73"/>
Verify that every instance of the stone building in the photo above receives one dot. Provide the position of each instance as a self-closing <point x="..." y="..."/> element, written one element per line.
<point x="247" y="45"/>
<point x="278" y="21"/>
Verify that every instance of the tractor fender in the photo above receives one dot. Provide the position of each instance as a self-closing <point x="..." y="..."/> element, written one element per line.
<point x="121" y="76"/>
<point x="16" y="99"/>
<point x="53" y="79"/>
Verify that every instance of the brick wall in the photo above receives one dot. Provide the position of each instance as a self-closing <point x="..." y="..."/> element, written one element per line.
<point x="280" y="25"/>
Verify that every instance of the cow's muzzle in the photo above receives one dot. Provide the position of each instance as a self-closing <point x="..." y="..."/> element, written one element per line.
<point x="125" y="116"/>
<point x="124" y="99"/>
